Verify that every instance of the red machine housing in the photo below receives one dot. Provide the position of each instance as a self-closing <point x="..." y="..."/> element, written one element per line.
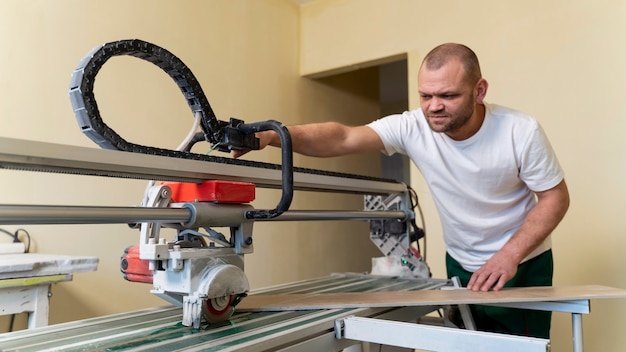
<point x="212" y="191"/>
<point x="133" y="268"/>
<point x="136" y="269"/>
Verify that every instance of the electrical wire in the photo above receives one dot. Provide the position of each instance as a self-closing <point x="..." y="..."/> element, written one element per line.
<point x="213" y="148"/>
<point x="16" y="237"/>
<point x="213" y="236"/>
<point x="17" y="233"/>
<point x="197" y="116"/>
<point x="414" y="200"/>
<point x="419" y="209"/>
<point x="185" y="144"/>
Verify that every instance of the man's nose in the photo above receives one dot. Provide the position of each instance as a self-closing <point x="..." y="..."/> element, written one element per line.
<point x="435" y="104"/>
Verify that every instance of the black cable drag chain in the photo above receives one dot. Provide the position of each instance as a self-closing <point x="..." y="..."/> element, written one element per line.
<point x="85" y="108"/>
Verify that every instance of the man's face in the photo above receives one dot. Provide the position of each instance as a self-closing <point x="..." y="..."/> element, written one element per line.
<point x="447" y="99"/>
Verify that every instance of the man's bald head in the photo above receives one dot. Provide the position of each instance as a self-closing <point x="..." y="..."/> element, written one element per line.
<point x="443" y="53"/>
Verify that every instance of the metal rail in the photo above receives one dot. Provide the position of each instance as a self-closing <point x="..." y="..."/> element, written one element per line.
<point x="57" y="214"/>
<point x="305" y="215"/>
<point x="49" y="157"/>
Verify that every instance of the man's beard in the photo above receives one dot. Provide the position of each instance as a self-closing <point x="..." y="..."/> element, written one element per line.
<point x="452" y="121"/>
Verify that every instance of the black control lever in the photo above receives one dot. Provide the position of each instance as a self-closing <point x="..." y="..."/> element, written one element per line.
<point x="287" y="165"/>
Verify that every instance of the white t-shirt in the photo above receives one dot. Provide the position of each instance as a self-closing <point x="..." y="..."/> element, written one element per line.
<point x="482" y="186"/>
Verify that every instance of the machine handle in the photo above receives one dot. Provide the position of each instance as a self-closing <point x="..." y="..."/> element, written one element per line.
<point x="286" y="167"/>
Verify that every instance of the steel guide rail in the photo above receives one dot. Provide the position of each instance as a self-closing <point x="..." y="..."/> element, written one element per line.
<point x="26" y="155"/>
<point x="15" y="214"/>
<point x="37" y="156"/>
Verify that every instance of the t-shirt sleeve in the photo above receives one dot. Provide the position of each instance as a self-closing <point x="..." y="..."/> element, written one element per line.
<point x="388" y="129"/>
<point x="540" y="168"/>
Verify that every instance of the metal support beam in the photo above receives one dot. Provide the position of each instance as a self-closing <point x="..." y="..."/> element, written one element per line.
<point x="58" y="214"/>
<point x="464" y="309"/>
<point x="11" y="214"/>
<point x="580" y="306"/>
<point x="49" y="157"/>
<point x="433" y="338"/>
<point x="577" y="332"/>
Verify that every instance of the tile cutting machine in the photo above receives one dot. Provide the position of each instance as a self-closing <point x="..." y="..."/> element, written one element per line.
<point x="200" y="269"/>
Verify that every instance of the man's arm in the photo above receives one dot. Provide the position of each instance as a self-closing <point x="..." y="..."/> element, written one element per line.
<point x="541" y="220"/>
<point x="325" y="139"/>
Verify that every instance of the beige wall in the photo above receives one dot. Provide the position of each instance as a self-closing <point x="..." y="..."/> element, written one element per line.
<point x="562" y="61"/>
<point x="246" y="56"/>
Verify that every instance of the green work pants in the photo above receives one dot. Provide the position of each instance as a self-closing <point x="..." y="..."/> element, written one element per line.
<point x="534" y="272"/>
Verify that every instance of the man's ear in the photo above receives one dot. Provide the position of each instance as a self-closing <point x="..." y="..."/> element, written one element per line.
<point x="481" y="90"/>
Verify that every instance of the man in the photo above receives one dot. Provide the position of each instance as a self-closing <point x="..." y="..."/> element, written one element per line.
<point x="495" y="179"/>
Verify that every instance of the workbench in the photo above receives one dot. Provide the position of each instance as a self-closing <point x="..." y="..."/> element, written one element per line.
<point x="25" y="280"/>
<point x="306" y="329"/>
<point x="160" y="329"/>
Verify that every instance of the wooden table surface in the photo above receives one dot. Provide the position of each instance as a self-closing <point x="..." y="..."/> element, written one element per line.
<point x="277" y="302"/>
